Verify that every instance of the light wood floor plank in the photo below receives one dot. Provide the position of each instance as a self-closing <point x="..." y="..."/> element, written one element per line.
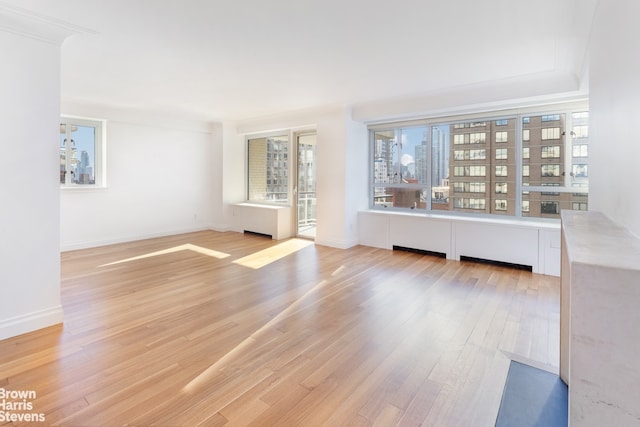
<point x="173" y="331"/>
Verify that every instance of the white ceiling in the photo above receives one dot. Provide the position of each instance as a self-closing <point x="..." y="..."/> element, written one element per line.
<point x="235" y="59"/>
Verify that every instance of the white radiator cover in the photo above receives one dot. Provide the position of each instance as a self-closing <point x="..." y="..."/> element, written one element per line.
<point x="525" y="242"/>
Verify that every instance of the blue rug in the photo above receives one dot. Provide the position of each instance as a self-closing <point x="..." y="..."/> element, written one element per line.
<point x="533" y="397"/>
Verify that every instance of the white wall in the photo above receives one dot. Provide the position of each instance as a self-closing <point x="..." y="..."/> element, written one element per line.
<point x="232" y="163"/>
<point x="615" y="110"/>
<point x="356" y="182"/>
<point x="29" y="210"/>
<point x="161" y="179"/>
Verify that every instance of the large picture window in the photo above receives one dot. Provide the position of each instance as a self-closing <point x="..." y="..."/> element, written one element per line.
<point x="268" y="169"/>
<point x="81" y="157"/>
<point x="446" y="164"/>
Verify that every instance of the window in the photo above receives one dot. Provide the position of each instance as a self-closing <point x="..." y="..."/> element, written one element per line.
<point x="469" y="165"/>
<point x="580" y="170"/>
<point x="580" y="150"/>
<point x="477" y="171"/>
<point x="549" y="208"/>
<point x="81" y="152"/>
<point x="501" y="136"/>
<point x="550" y="133"/>
<point x="464" y="203"/>
<point x="550" y="151"/>
<point x="470" y="154"/>
<point x="578" y="206"/>
<point x="477" y="187"/>
<point x="477" y="154"/>
<point x="581" y="131"/>
<point x="469" y="187"/>
<point x="268" y="169"/>
<point x="477" y="138"/>
<point x="470" y="171"/>
<point x="550" y="170"/>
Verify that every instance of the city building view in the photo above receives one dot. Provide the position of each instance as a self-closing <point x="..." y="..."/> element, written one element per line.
<point x="268" y="169"/>
<point x="268" y="176"/>
<point x="77" y="154"/>
<point x="500" y="166"/>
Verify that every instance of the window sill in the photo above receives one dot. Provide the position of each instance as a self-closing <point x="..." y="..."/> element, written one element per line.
<point x="82" y="188"/>
<point x="546" y="223"/>
<point x="265" y="205"/>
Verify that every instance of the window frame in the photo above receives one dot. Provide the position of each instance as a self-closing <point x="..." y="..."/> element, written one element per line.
<point x="100" y="157"/>
<point x="464" y="137"/>
<point x="249" y="137"/>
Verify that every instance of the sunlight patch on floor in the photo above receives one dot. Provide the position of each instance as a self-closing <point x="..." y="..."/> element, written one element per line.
<point x="205" y="376"/>
<point x="267" y="256"/>
<point x="185" y="247"/>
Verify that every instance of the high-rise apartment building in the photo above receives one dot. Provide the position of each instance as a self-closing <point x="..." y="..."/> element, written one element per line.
<point x="484" y="171"/>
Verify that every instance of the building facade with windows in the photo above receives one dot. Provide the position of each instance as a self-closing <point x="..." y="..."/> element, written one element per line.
<point x="516" y="165"/>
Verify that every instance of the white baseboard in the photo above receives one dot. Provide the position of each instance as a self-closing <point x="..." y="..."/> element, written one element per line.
<point x="30" y="322"/>
<point x="338" y="244"/>
<point x="72" y="246"/>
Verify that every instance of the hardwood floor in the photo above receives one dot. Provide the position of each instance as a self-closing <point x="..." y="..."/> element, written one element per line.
<point x="191" y="330"/>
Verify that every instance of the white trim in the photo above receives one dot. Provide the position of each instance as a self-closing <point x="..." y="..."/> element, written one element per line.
<point x="77" y="245"/>
<point x="26" y="23"/>
<point x="29" y="322"/>
<point x="339" y="244"/>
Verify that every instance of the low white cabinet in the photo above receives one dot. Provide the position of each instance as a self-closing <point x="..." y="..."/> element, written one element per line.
<point x="271" y="220"/>
<point x="525" y="242"/>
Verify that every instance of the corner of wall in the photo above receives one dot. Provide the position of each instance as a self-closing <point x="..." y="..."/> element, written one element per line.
<point x="29" y="322"/>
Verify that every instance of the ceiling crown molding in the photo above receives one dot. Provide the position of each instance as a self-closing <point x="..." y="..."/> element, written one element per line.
<point x="29" y="24"/>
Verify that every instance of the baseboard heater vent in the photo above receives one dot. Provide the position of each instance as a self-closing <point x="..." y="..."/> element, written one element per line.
<point x="420" y="251"/>
<point x="255" y="233"/>
<point x="497" y="263"/>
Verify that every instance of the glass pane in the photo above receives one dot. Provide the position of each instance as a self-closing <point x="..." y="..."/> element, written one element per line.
<point x="268" y="176"/>
<point x="480" y="171"/>
<point x="77" y="154"/>
<point x="307" y="185"/>
<point x="383" y="156"/>
<point x="83" y="145"/>
<point x="548" y="204"/>
<point x="580" y="149"/>
<point x="544" y="161"/>
<point x="400" y="156"/>
<point x="395" y="197"/>
<point x="440" y="154"/>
